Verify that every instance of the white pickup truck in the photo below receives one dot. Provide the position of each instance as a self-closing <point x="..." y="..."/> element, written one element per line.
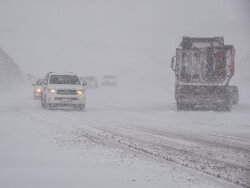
<point x="63" y="90"/>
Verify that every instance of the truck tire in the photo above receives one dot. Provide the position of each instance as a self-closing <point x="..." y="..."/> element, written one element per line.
<point x="229" y="104"/>
<point x="235" y="94"/>
<point x="227" y="107"/>
<point x="181" y="106"/>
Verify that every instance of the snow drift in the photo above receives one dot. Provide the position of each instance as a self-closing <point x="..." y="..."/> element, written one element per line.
<point x="10" y="73"/>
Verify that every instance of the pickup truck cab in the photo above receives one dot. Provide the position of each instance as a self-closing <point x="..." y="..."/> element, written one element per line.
<point x="63" y="90"/>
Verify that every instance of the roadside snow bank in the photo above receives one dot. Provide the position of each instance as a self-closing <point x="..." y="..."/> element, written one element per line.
<point x="10" y="73"/>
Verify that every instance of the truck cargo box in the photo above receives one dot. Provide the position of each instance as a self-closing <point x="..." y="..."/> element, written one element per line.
<point x="203" y="70"/>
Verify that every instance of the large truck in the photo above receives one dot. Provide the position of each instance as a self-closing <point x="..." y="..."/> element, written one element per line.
<point x="203" y="69"/>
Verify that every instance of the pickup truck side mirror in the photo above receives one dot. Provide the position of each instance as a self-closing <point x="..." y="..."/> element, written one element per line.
<point x="173" y="63"/>
<point x="45" y="82"/>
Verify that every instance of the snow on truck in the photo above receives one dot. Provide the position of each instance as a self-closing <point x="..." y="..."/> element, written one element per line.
<point x="203" y="69"/>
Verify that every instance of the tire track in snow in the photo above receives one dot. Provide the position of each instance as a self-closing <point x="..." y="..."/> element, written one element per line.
<point x="172" y="147"/>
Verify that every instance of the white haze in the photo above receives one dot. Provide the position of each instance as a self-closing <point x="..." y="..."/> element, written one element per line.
<point x="132" y="39"/>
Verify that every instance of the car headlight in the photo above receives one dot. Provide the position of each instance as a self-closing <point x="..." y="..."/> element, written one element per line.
<point x="80" y="92"/>
<point x="52" y="90"/>
<point x="38" y="90"/>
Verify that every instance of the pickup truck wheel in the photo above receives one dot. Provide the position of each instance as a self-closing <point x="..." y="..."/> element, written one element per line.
<point x="47" y="105"/>
<point x="82" y="107"/>
<point x="42" y="102"/>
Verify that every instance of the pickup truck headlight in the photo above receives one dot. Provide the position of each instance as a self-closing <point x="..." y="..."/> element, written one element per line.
<point x="52" y="90"/>
<point x="38" y="90"/>
<point x="80" y="92"/>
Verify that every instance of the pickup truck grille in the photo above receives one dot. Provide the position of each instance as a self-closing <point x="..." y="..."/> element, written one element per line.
<point x="66" y="92"/>
<point x="65" y="98"/>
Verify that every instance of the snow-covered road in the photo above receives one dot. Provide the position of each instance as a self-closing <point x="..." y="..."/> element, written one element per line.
<point x="122" y="140"/>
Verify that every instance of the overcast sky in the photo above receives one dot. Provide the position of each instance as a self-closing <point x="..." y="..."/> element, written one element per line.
<point x="104" y="37"/>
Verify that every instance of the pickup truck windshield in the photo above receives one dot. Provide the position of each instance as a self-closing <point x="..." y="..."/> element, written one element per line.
<point x="64" y="79"/>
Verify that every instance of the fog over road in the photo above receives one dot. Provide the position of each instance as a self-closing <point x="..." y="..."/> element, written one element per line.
<point x="130" y="135"/>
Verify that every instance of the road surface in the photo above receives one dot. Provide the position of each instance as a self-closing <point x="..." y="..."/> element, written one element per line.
<point x="123" y="139"/>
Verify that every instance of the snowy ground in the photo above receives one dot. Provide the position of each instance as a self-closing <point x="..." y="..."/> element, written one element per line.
<point x="123" y="139"/>
<point x="130" y="136"/>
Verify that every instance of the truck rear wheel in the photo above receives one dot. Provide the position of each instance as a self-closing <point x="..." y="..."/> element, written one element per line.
<point x="181" y="106"/>
<point x="227" y="107"/>
<point x="234" y="93"/>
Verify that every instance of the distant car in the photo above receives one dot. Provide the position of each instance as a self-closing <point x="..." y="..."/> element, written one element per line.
<point x="63" y="90"/>
<point x="90" y="81"/>
<point x="109" y="80"/>
<point x="37" y="89"/>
